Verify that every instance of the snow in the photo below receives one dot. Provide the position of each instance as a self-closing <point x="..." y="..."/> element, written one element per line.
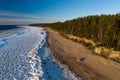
<point x="25" y="55"/>
<point x="14" y="55"/>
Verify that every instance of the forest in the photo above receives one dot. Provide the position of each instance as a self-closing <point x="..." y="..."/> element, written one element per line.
<point x="104" y="29"/>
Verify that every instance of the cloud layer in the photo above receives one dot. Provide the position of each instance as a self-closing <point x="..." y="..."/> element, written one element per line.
<point x="8" y="17"/>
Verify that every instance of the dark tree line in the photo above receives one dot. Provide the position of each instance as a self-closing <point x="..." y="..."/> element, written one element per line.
<point x="104" y="29"/>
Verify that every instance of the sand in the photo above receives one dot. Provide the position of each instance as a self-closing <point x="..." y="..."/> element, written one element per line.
<point x="81" y="60"/>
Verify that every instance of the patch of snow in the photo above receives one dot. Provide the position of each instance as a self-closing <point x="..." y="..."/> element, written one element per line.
<point x="53" y="69"/>
<point x="26" y="56"/>
<point x="18" y="58"/>
<point x="1" y="42"/>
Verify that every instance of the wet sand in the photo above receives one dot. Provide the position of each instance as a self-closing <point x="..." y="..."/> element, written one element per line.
<point x="81" y="60"/>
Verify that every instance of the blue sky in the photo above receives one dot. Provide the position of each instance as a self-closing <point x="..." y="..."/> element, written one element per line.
<point x="44" y="11"/>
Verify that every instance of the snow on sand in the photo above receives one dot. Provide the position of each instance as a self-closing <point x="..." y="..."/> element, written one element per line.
<point x="26" y="56"/>
<point x="18" y="55"/>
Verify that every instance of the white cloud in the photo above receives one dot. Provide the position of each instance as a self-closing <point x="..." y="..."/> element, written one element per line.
<point x="19" y="18"/>
<point x="4" y="21"/>
<point x="22" y="15"/>
<point x="18" y="21"/>
<point x="9" y="17"/>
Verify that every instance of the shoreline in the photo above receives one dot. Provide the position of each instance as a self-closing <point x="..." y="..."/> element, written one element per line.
<point x="80" y="60"/>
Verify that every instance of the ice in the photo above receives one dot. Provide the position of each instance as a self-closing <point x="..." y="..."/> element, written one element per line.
<point x="6" y="33"/>
<point x="52" y="68"/>
<point x="25" y="55"/>
<point x="15" y="62"/>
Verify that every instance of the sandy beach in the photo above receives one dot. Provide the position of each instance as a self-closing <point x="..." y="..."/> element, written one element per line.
<point x="81" y="60"/>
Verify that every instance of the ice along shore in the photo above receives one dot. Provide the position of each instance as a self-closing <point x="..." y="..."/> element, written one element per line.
<point x="25" y="55"/>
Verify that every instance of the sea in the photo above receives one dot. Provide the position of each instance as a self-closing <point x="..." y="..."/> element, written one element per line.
<point x="25" y="55"/>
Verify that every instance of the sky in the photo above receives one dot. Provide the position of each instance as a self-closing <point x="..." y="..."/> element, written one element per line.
<point x="48" y="11"/>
